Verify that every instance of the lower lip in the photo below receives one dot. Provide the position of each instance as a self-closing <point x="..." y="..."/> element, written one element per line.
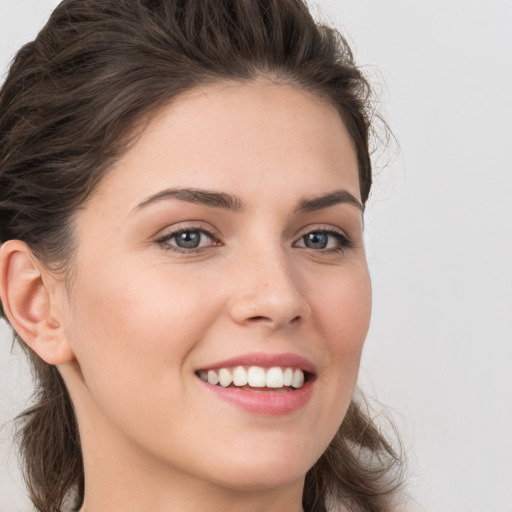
<point x="269" y="403"/>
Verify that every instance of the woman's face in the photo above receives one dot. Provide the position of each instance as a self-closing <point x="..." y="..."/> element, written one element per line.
<point x="227" y="241"/>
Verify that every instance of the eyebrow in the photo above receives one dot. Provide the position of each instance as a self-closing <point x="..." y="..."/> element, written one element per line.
<point x="231" y="202"/>
<point x="196" y="196"/>
<point x="331" y="199"/>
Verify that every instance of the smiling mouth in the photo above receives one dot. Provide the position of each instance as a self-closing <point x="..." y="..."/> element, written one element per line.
<point x="256" y="378"/>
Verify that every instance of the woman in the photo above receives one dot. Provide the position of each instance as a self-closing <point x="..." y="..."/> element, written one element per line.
<point x="182" y="185"/>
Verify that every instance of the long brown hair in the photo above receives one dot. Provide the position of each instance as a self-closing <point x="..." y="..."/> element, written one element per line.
<point x="70" y="106"/>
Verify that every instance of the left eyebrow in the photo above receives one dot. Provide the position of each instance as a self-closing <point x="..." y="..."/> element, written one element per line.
<point x="331" y="199"/>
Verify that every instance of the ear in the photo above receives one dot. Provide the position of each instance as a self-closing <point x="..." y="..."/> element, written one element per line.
<point x="26" y="294"/>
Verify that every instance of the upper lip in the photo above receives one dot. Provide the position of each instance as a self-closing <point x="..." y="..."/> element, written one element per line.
<point x="286" y="360"/>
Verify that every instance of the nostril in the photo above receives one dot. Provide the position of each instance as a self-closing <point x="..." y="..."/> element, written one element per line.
<point x="266" y="318"/>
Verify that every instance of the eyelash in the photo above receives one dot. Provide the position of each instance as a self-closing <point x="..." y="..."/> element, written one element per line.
<point x="343" y="242"/>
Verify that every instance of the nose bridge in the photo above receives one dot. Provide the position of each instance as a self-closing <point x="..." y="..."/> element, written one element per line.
<point x="268" y="289"/>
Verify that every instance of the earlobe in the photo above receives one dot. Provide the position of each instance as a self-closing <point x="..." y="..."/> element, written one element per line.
<point x="26" y="300"/>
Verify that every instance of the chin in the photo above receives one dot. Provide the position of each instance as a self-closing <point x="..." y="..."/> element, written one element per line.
<point x="257" y="479"/>
<point x="267" y="469"/>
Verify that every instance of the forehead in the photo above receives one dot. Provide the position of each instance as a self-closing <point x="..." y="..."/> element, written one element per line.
<point x="238" y="137"/>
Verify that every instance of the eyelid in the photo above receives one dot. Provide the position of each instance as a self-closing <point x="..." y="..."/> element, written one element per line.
<point x="187" y="225"/>
<point x="322" y="228"/>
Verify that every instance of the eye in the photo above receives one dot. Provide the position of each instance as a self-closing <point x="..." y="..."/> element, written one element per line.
<point x="186" y="239"/>
<point x="324" y="240"/>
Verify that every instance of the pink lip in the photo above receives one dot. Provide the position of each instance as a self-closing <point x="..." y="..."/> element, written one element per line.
<point x="268" y="402"/>
<point x="266" y="361"/>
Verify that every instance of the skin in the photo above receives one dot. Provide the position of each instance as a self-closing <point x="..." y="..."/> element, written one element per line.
<point x="139" y="317"/>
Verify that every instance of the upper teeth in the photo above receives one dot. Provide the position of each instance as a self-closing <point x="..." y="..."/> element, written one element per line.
<point x="254" y="376"/>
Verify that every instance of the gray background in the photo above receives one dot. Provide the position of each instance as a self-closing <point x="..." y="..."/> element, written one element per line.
<point x="439" y="235"/>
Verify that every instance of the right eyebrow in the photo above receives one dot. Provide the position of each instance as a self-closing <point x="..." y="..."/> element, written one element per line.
<point x="196" y="196"/>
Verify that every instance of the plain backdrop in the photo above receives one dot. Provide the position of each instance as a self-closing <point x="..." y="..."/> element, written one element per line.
<point x="439" y="236"/>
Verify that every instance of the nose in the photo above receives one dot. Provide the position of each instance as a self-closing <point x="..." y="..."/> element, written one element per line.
<point x="268" y="292"/>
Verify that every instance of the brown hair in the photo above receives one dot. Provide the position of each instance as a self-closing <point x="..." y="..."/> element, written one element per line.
<point x="69" y="107"/>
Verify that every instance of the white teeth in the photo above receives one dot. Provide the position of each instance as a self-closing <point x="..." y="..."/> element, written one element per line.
<point x="287" y="377"/>
<point x="239" y="376"/>
<point x="298" y="379"/>
<point x="213" y="378"/>
<point x="256" y="377"/>
<point x="225" y="377"/>
<point x="274" y="378"/>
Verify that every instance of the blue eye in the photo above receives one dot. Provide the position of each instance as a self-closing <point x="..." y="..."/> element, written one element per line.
<point x="187" y="239"/>
<point x="324" y="240"/>
<point x="316" y="240"/>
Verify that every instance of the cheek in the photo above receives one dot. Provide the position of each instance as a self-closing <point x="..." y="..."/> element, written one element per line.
<point x="134" y="331"/>
<point x="343" y="311"/>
